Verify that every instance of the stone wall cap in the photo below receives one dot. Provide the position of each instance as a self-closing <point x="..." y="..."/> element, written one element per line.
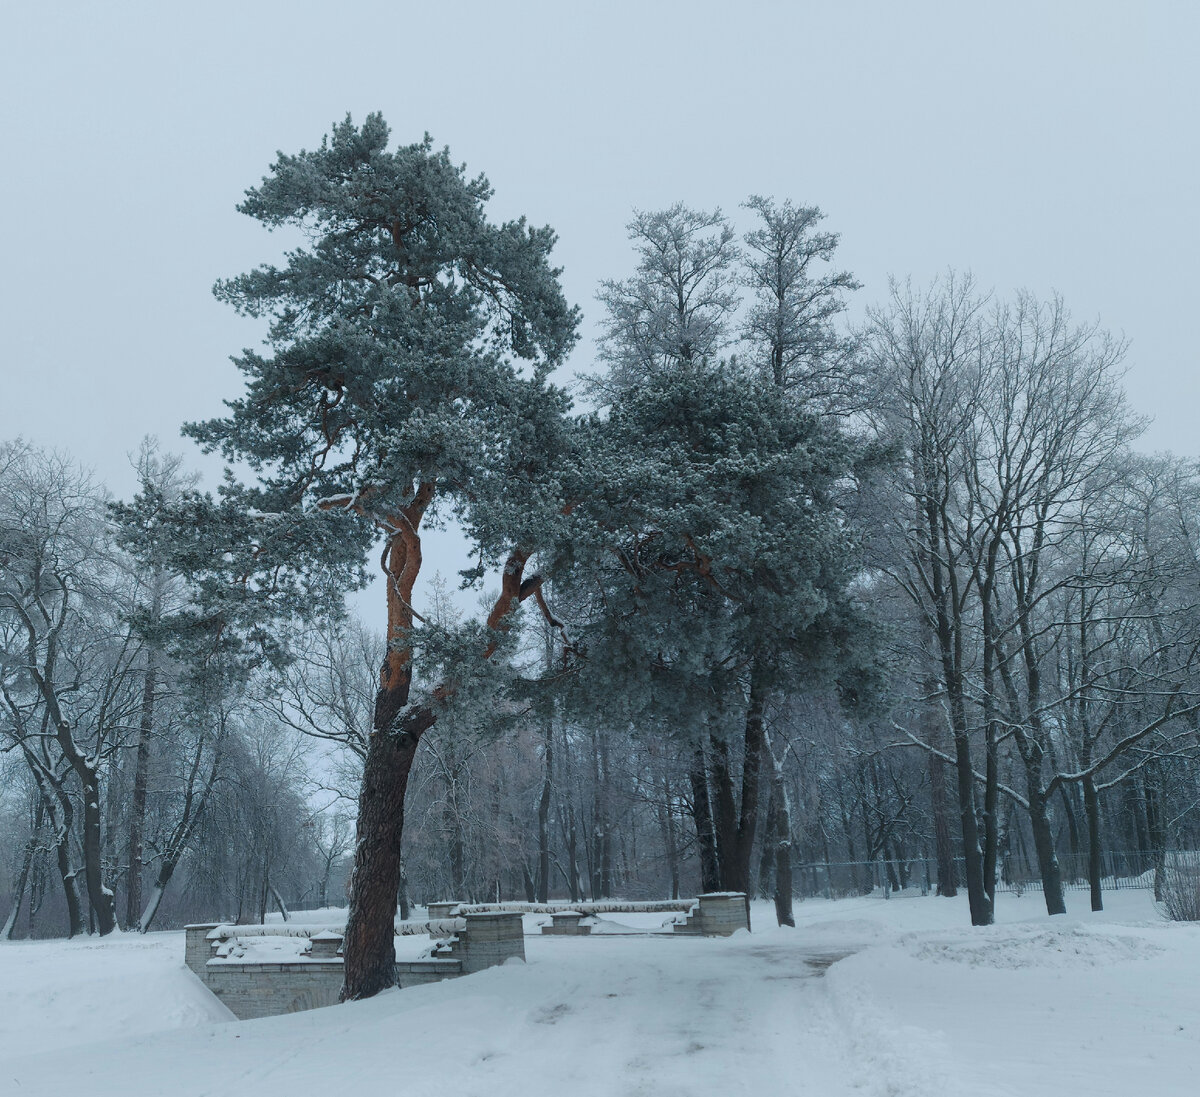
<point x="328" y="935"/>
<point x="722" y="895"/>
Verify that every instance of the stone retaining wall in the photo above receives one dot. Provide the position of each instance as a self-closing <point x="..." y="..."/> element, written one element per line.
<point x="480" y="940"/>
<point x="265" y="990"/>
<point x="257" y="989"/>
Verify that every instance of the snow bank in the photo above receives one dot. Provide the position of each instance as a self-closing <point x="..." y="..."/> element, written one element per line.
<point x="1027" y="946"/>
<point x="1032" y="1007"/>
<point x="56" y="995"/>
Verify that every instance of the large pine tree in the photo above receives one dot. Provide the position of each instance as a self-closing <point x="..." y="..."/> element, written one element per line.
<point x="405" y="379"/>
<point x="716" y="547"/>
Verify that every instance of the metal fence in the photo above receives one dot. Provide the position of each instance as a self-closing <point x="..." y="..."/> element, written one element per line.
<point x="1121" y="870"/>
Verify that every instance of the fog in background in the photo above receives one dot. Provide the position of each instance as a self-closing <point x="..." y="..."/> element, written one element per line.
<point x="1044" y="146"/>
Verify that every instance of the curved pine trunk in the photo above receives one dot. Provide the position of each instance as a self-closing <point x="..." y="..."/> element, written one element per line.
<point x="368" y="947"/>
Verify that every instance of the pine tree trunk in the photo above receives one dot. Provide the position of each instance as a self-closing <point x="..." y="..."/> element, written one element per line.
<point x="706" y="841"/>
<point x="596" y="837"/>
<point x="604" y="827"/>
<point x="667" y="822"/>
<point x="573" y="857"/>
<point x="783" y="868"/>
<point x="725" y="819"/>
<point x="780" y="813"/>
<point x="766" y="859"/>
<point x="369" y="947"/>
<point x="137" y="806"/>
<point x="543" y="871"/>
<point x="458" y="848"/>
<point x="755" y="737"/>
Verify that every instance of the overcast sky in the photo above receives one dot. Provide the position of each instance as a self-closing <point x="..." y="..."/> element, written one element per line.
<point x="1049" y="145"/>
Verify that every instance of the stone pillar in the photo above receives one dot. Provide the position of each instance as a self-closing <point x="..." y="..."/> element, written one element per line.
<point x="197" y="948"/>
<point x="722" y="913"/>
<point x="490" y="939"/>
<point x="440" y="911"/>
<point x="325" y="945"/>
<point x="565" y="923"/>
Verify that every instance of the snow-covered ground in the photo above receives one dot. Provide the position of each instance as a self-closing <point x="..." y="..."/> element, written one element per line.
<point x="923" y="1005"/>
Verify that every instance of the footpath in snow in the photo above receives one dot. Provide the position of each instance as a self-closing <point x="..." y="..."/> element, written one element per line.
<point x="920" y="1005"/>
